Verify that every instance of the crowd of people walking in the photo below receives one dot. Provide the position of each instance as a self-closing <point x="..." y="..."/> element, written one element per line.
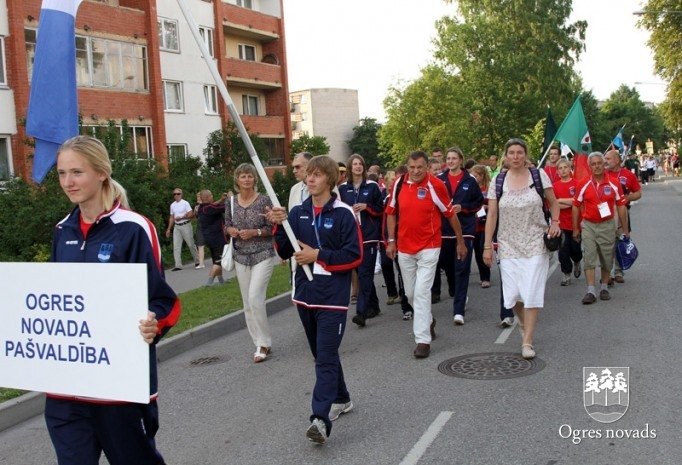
<point x="432" y="216"/>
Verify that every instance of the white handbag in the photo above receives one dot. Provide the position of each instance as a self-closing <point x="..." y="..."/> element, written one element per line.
<point x="227" y="260"/>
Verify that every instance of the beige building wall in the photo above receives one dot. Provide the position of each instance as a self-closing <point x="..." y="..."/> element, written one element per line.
<point x="330" y="113"/>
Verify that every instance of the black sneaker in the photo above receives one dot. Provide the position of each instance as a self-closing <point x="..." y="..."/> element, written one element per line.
<point x="177" y="268"/>
<point x="359" y="320"/>
<point x="373" y="313"/>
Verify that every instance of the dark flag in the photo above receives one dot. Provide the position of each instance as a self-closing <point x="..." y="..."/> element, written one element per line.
<point x="550" y="131"/>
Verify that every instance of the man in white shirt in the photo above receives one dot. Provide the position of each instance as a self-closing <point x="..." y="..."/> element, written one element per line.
<point x="299" y="191"/>
<point x="179" y="221"/>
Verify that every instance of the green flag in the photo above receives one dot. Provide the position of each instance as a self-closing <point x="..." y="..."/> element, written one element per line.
<point x="573" y="131"/>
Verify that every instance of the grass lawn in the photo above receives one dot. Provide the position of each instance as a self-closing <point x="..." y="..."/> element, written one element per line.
<point x="205" y="304"/>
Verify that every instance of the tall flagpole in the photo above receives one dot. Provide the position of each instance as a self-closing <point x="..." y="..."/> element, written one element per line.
<point x="545" y="155"/>
<point x="236" y="119"/>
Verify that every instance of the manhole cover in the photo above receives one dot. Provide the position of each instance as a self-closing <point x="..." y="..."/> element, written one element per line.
<point x="203" y="361"/>
<point x="491" y="365"/>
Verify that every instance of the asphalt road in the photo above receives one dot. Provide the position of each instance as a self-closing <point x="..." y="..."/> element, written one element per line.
<point x="406" y="411"/>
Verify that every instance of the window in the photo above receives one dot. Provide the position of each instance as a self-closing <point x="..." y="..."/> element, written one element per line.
<point x="3" y="74"/>
<point x="176" y="152"/>
<point x="102" y="62"/>
<point x="172" y="96"/>
<point x="5" y="161"/>
<point x="30" y="36"/>
<point x="207" y="36"/>
<point x="211" y="100"/>
<point x="245" y="4"/>
<point x="275" y="149"/>
<point x="140" y="138"/>
<point x="247" y="52"/>
<point x="250" y="105"/>
<point x="168" y="35"/>
<point x="140" y="142"/>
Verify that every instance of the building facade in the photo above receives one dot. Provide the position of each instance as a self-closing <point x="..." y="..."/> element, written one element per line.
<point x="330" y="113"/>
<point x="140" y="70"/>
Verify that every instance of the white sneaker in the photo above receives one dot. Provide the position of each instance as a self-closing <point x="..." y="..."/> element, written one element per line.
<point x="407" y="316"/>
<point x="566" y="280"/>
<point x="507" y="322"/>
<point x="458" y="319"/>
<point x="317" y="431"/>
<point x="337" y="409"/>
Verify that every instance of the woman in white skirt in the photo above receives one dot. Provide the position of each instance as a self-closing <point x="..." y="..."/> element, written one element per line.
<point x="524" y="259"/>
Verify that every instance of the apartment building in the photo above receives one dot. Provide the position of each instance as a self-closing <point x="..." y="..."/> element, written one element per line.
<point x="8" y="126"/>
<point x="330" y="113"/>
<point x="137" y="61"/>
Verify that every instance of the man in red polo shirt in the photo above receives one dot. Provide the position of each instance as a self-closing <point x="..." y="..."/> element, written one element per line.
<point x="632" y="191"/>
<point x="599" y="198"/>
<point x="419" y="198"/>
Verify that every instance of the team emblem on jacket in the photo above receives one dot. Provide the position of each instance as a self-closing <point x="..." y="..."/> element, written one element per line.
<point x="104" y="254"/>
<point x="328" y="223"/>
<point x="465" y="187"/>
<point x="607" y="190"/>
<point x="572" y="191"/>
<point x="421" y="193"/>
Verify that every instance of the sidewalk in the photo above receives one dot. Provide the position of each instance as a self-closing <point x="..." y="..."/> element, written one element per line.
<point x="15" y="411"/>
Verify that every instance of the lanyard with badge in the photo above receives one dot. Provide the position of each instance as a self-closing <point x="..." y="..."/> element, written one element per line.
<point x="604" y="209"/>
<point x="317" y="268"/>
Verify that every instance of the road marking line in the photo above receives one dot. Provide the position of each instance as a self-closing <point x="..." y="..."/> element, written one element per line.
<point x="427" y="438"/>
<point x="506" y="332"/>
<point x="504" y="335"/>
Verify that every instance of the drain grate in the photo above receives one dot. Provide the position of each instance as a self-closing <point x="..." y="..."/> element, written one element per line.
<point x="203" y="361"/>
<point x="491" y="365"/>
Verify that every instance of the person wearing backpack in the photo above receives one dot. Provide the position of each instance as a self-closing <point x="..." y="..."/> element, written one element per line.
<point x="519" y="217"/>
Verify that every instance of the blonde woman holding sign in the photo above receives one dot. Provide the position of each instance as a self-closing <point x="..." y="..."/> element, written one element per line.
<point x="102" y="229"/>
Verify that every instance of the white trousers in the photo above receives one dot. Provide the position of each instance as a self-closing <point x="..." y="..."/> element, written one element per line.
<point x="183" y="232"/>
<point x="253" y="284"/>
<point x="418" y="271"/>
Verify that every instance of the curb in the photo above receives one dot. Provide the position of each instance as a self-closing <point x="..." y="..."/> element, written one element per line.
<point x="20" y="409"/>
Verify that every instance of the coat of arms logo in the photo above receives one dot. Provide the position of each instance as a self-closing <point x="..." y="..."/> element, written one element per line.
<point x="606" y="393"/>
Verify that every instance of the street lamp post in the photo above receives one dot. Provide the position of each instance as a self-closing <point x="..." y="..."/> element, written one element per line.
<point x="656" y="12"/>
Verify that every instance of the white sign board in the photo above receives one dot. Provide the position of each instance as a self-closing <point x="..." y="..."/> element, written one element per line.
<point x="72" y="329"/>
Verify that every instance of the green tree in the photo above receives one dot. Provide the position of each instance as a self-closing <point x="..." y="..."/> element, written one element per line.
<point x="317" y="145"/>
<point x="425" y="113"/>
<point x="666" y="29"/>
<point x="365" y="141"/>
<point x="624" y="106"/>
<point x="225" y="150"/>
<point x="513" y="57"/>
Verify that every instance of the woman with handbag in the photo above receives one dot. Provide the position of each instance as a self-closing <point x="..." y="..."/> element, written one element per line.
<point x="253" y="249"/>
<point x="524" y="257"/>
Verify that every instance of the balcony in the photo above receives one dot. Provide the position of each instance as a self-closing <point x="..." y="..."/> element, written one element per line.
<point x="243" y="22"/>
<point x="253" y="74"/>
<point x="264" y="125"/>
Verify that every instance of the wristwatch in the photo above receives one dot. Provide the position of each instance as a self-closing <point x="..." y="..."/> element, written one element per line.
<point x="259" y="233"/>
<point x="391" y="240"/>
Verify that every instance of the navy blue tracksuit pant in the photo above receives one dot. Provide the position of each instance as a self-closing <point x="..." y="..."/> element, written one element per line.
<point x="368" y="302"/>
<point x="80" y="431"/>
<point x="324" y="330"/>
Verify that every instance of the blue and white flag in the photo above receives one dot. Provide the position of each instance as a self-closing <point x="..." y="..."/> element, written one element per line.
<point x="52" y="115"/>
<point x="618" y="140"/>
